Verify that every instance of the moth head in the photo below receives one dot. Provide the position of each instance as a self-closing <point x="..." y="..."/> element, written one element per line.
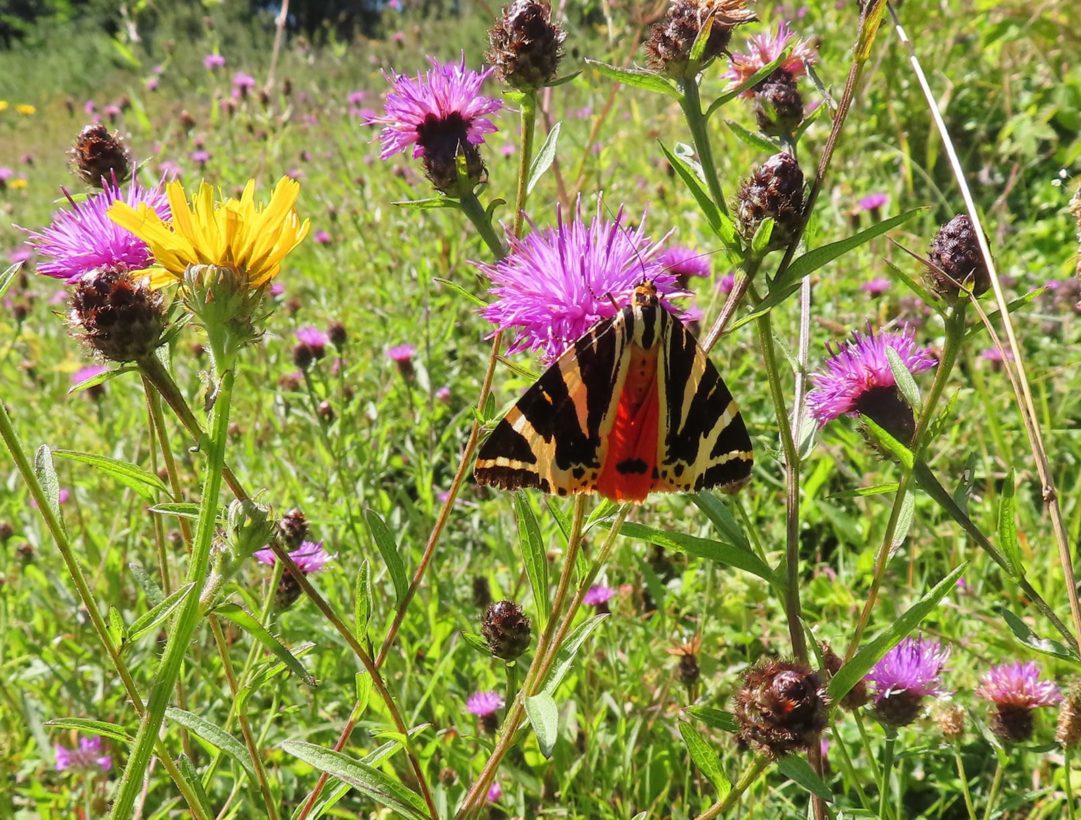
<point x="645" y="295"/>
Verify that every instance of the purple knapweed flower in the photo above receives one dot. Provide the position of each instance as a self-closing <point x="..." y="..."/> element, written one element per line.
<point x="684" y="262"/>
<point x="598" y="596"/>
<point x="872" y="202"/>
<point x="212" y="62"/>
<point x="357" y="97"/>
<point x="726" y="283"/>
<point x="200" y="157"/>
<point x="152" y="83"/>
<point x="495" y="791"/>
<point x="88" y="755"/>
<point x="1016" y="691"/>
<point x="401" y="353"/>
<point x="83" y="238"/>
<point x="858" y="368"/>
<point x="994" y="355"/>
<point x="443" y="394"/>
<point x="242" y="84"/>
<point x="322" y="238"/>
<point x="310" y="556"/>
<point x="84" y="374"/>
<point x="314" y="339"/>
<point x="766" y="47"/>
<point x="5" y="174"/>
<point x="558" y="282"/>
<point x="483" y="704"/>
<point x="904" y="677"/>
<point x="877" y="286"/>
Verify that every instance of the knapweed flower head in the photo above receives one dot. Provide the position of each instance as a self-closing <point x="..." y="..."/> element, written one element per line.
<point x="877" y="286"/>
<point x="781" y="708"/>
<point x="483" y="704"/>
<point x="526" y="45"/>
<point x="558" y="282"/>
<point x="310" y="556"/>
<point x="766" y="47"/>
<point x="598" y="595"/>
<point x="857" y="379"/>
<point x="873" y="202"/>
<point x="439" y="115"/>
<point x="315" y="339"/>
<point x="87" y="755"/>
<point x="904" y="677"/>
<point x="83" y="238"/>
<point x="684" y="262"/>
<point x="237" y="234"/>
<point x="671" y="40"/>
<point x="213" y="61"/>
<point x="1016" y="691"/>
<point x="99" y="157"/>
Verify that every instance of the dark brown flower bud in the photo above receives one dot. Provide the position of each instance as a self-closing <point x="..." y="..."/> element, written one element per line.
<point x="326" y="411"/>
<point x="775" y="190"/>
<point x="671" y="40"/>
<point x="19" y="311"/>
<point x="443" y="140"/>
<point x="447" y="776"/>
<point x="526" y="45"/>
<point x="303" y="355"/>
<point x="6" y="531"/>
<point x="955" y="252"/>
<point x="899" y="708"/>
<point x="25" y="551"/>
<point x="291" y="382"/>
<point x="120" y="318"/>
<point x="780" y="708"/>
<point x="482" y="592"/>
<point x="287" y="593"/>
<point x="1069" y="718"/>
<point x="778" y="104"/>
<point x="951" y="722"/>
<point x="1013" y="724"/>
<point x="293" y="528"/>
<point x="857" y="696"/>
<point x="506" y="629"/>
<point x="186" y="120"/>
<point x="337" y="335"/>
<point x="99" y="157"/>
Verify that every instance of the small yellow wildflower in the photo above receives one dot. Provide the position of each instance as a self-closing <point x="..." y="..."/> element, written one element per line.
<point x="3" y="105"/>
<point x="26" y="109"/>
<point x="236" y="234"/>
<point x="17" y="184"/>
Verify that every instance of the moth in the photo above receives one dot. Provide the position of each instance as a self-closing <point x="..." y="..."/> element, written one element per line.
<point x="632" y="407"/>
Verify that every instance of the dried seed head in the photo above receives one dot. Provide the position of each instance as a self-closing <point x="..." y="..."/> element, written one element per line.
<point x="955" y="251"/>
<point x="672" y="39"/>
<point x="99" y="157"/>
<point x="506" y="629"/>
<point x="1069" y="717"/>
<point x="774" y="190"/>
<point x="293" y="528"/>
<point x="951" y="722"/>
<point x="526" y="45"/>
<point x="781" y="708"/>
<point x="118" y="317"/>
<point x="778" y="104"/>
<point x="688" y="670"/>
<point x="857" y="696"/>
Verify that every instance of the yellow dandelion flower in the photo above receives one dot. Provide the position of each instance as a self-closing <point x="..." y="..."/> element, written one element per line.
<point x="17" y="184"/>
<point x="233" y="233"/>
<point x="25" y="109"/>
<point x="3" y="105"/>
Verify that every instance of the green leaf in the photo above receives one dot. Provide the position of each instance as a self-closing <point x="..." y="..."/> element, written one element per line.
<point x="477" y="642"/>
<point x="544" y="717"/>
<point x="705" y="758"/>
<point x="566" y="78"/>
<point x="184" y="763"/>
<point x="116" y="626"/>
<point x="214" y="735"/>
<point x="888" y="443"/>
<point x="533" y="553"/>
<point x="750" y="82"/>
<point x="430" y="203"/>
<point x="249" y="624"/>
<point x="721" y="517"/>
<point x="270" y="669"/>
<point x="94" y="727"/>
<point x="179" y="509"/>
<point x="903" y="378"/>
<point x="904" y="520"/>
<point x="1045" y="646"/>
<point x="370" y="781"/>
<point x="8" y="276"/>
<point x="543" y="160"/>
<point x="567" y="652"/>
<point x="149" y="586"/>
<point x="694" y="185"/>
<point x="362" y="599"/>
<point x="100" y="378"/>
<point x="46" y="475"/>
<point x="637" y="78"/>
<point x="698" y="47"/>
<point x="724" y="553"/>
<point x="853" y="672"/>
<point x="384" y="542"/>
<point x="156" y="616"/>
<point x="715" y="718"/>
<point x="762" y="235"/>
<point x="755" y="141"/>
<point x="1007" y="529"/>
<point x="799" y="771"/>
<point x="132" y="476"/>
<point x="861" y="492"/>
<point x="468" y="295"/>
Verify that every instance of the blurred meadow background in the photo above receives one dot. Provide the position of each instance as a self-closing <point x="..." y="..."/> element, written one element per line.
<point x="366" y="439"/>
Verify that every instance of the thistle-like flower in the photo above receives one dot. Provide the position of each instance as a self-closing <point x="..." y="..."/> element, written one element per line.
<point x="857" y="696"/>
<point x="558" y="282"/>
<point x="87" y="755"/>
<point x="1016" y="691"/>
<point x="309" y="557"/>
<point x="958" y="262"/>
<point x="83" y="238"/>
<point x="778" y="101"/>
<point x="485" y="706"/>
<point x="506" y="629"/>
<point x="904" y="676"/>
<point x="781" y="708"/>
<point x="117" y="316"/>
<point x="774" y="191"/>
<point x="439" y="115"/>
<point x="858" y="380"/>
<point x="100" y="158"/>
<point x="672" y="39"/>
<point x="526" y="45"/>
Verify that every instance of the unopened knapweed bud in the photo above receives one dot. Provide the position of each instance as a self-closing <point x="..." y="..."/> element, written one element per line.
<point x="337" y="334"/>
<point x="506" y="629"/>
<point x="857" y="696"/>
<point x="1069" y="718"/>
<point x="526" y="45"/>
<point x="955" y="254"/>
<point x="778" y="104"/>
<point x="774" y="190"/>
<point x="302" y="356"/>
<point x="326" y="411"/>
<point x="293" y="528"/>
<point x="688" y="670"/>
<point x="120" y="318"/>
<point x="248" y="527"/>
<point x="671" y="40"/>
<point x="99" y="157"/>
<point x="6" y="531"/>
<point x="781" y="708"/>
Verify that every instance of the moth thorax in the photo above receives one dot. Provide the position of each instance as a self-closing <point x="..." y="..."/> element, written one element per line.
<point x="645" y="295"/>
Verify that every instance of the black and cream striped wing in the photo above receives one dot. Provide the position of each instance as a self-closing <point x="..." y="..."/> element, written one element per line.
<point x="555" y="438"/>
<point x="703" y="441"/>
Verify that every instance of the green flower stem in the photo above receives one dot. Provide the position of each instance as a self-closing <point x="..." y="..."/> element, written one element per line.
<point x="876" y="773"/>
<point x="746" y="780"/>
<point x="528" y="130"/>
<point x="996" y="786"/>
<point x="60" y="537"/>
<point x="850" y="769"/>
<point x="476" y="214"/>
<point x="245" y="727"/>
<point x="887" y="772"/>
<point x="691" y="103"/>
<point x="955" y="337"/>
<point x="186" y="621"/>
<point x="965" y="791"/>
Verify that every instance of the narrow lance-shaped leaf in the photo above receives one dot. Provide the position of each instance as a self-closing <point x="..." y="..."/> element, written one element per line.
<point x="903" y="378"/>
<point x="536" y="562"/>
<point x="1007" y="528"/>
<point x="567" y="653"/>
<point x="149" y="621"/>
<point x="93" y="727"/>
<point x="249" y="624"/>
<point x="214" y="735"/>
<point x="544" y="158"/>
<point x="384" y="542"/>
<point x="636" y="78"/>
<point x="705" y="758"/>
<point x="798" y="770"/>
<point x="132" y="476"/>
<point x="544" y="718"/>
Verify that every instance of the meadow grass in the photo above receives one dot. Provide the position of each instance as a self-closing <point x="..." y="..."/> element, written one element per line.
<point x="367" y="448"/>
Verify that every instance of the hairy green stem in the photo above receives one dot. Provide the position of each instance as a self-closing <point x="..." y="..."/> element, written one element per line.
<point x="188" y="619"/>
<point x="965" y="791"/>
<point x="996" y="785"/>
<point x="887" y="772"/>
<point x="476" y="214"/>
<point x="691" y="103"/>
<point x="528" y="130"/>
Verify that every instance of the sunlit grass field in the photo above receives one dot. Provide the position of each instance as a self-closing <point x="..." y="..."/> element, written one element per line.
<point x="366" y="441"/>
